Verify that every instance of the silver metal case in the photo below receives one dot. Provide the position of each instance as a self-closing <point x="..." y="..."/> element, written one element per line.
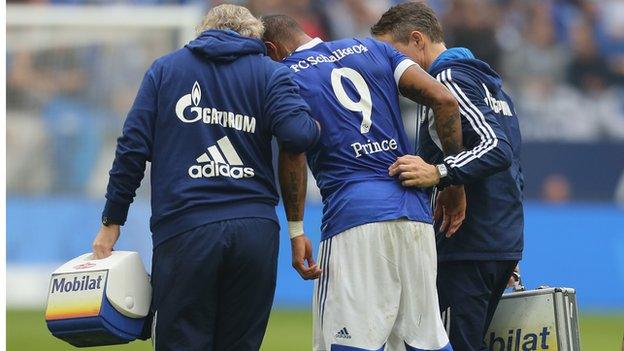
<point x="542" y="319"/>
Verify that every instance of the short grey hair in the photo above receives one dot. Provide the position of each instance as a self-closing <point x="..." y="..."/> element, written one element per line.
<point x="232" y="17"/>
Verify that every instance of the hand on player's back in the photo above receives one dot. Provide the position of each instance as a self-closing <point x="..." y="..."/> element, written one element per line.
<point x="414" y="171"/>
<point x="450" y="208"/>
<point x="302" y="253"/>
<point x="104" y="241"/>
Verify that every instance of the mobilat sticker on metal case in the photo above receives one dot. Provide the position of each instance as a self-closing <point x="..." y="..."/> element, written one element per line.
<point x="523" y="324"/>
<point x="76" y="295"/>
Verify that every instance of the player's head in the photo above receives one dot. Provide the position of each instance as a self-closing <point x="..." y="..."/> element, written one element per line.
<point x="282" y="35"/>
<point x="232" y="17"/>
<point x="411" y="28"/>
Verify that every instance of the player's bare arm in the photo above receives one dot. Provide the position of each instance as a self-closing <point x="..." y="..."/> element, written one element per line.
<point x="293" y="178"/>
<point x="417" y="85"/>
<point x="420" y="87"/>
<point x="293" y="181"/>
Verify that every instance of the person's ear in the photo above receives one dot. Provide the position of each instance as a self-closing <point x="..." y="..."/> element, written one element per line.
<point x="272" y="51"/>
<point x="417" y="39"/>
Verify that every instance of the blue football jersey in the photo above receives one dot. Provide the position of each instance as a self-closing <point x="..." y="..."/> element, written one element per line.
<point x="351" y="88"/>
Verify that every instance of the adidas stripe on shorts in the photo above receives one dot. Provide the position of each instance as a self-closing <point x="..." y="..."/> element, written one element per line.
<point x="378" y="290"/>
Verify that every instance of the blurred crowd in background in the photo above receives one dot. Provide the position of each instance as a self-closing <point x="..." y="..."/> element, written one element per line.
<point x="68" y="90"/>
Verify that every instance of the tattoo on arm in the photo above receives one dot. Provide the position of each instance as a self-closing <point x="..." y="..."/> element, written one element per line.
<point x="293" y="182"/>
<point x="445" y="110"/>
<point x="450" y="133"/>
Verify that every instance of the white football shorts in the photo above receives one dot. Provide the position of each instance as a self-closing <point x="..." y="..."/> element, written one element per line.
<point x="378" y="290"/>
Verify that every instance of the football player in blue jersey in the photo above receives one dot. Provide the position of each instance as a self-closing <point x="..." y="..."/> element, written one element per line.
<point x="476" y="263"/>
<point x="377" y="255"/>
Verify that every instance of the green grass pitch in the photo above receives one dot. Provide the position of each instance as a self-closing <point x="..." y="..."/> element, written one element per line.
<point x="289" y="330"/>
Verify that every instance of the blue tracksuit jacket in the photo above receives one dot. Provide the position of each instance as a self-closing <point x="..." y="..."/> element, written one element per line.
<point x="490" y="166"/>
<point x="204" y="117"/>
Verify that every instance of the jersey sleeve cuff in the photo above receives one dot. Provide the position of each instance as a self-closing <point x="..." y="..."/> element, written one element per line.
<point x="401" y="68"/>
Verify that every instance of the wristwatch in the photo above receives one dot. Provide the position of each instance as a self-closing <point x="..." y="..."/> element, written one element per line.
<point x="107" y="221"/>
<point x="442" y="170"/>
<point x="444" y="178"/>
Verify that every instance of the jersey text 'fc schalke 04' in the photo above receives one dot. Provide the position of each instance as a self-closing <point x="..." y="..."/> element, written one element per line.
<point x="351" y="87"/>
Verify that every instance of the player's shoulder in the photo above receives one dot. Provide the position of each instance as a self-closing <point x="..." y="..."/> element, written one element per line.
<point x="370" y="44"/>
<point x="359" y="44"/>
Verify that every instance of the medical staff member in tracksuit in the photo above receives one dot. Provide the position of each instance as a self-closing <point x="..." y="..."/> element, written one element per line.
<point x="475" y="263"/>
<point x="204" y="117"/>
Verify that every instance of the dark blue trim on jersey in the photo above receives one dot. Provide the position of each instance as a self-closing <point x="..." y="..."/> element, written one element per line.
<point x="336" y="347"/>
<point x="447" y="347"/>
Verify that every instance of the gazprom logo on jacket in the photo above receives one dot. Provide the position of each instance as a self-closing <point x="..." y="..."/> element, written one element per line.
<point x="498" y="106"/>
<point x="210" y="115"/>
